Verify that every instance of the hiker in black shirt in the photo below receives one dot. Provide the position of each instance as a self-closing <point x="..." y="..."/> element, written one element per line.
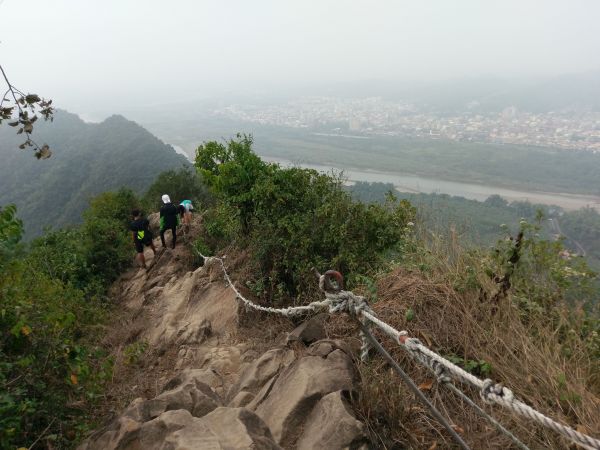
<point x="169" y="219"/>
<point x="142" y="236"/>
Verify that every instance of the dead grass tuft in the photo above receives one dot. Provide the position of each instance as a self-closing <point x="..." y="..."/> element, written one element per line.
<point x="525" y="357"/>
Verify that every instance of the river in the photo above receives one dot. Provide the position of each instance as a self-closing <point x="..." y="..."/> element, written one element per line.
<point x="413" y="183"/>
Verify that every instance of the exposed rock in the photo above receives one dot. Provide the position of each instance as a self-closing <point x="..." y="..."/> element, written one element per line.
<point x="224" y="428"/>
<point x="190" y="383"/>
<point x="153" y="434"/>
<point x="194" y="335"/>
<point x="117" y="435"/>
<point x="300" y="386"/>
<point x="331" y="425"/>
<point x="309" y="331"/>
<point x="243" y="398"/>
<point x="154" y="220"/>
<point x="190" y="301"/>
<point x="262" y="394"/>
<point x="326" y="346"/>
<point x="263" y="369"/>
<point x="194" y="396"/>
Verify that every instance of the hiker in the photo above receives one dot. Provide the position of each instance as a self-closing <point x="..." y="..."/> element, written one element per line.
<point x="142" y="236"/>
<point x="185" y="210"/>
<point x="169" y="219"/>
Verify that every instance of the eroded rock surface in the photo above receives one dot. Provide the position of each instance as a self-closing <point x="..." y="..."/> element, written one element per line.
<point x="331" y="425"/>
<point x="300" y="386"/>
<point x="225" y="394"/>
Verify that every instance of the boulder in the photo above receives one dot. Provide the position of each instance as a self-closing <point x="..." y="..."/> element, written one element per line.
<point x="154" y="220"/>
<point x="300" y="386"/>
<point x="261" y="370"/>
<point x="120" y="434"/>
<point x="153" y="433"/>
<point x="185" y="391"/>
<point x="224" y="428"/>
<point x="194" y="333"/>
<point x="309" y="331"/>
<point x="331" y="425"/>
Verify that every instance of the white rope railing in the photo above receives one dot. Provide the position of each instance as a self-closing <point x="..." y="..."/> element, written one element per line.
<point x="338" y="301"/>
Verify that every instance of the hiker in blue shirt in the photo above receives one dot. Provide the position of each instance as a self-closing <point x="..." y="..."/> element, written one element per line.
<point x="185" y="209"/>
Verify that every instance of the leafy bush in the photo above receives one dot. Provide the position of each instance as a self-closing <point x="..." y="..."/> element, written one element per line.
<point x="180" y="185"/>
<point x="105" y="229"/>
<point x="231" y="171"/>
<point x="50" y="299"/>
<point x="42" y="364"/>
<point x="294" y="219"/>
<point x="11" y="231"/>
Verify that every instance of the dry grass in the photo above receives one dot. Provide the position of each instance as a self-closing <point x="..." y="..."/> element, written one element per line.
<point x="526" y="357"/>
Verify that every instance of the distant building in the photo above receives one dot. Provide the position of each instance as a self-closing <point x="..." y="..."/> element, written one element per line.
<point x="354" y="124"/>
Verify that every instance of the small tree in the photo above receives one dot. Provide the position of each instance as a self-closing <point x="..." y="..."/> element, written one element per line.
<point x="180" y="184"/>
<point x="231" y="171"/>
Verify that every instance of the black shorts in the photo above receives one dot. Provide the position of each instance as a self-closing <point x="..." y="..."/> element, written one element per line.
<point x="139" y="245"/>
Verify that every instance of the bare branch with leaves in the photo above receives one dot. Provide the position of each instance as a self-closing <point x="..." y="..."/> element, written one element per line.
<point x="27" y="106"/>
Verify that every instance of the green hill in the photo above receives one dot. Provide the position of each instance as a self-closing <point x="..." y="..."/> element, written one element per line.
<point x="87" y="159"/>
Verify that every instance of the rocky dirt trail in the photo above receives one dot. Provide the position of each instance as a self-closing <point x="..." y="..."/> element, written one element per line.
<point x="209" y="375"/>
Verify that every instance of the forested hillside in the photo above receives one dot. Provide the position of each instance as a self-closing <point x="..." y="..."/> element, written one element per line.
<point x="481" y="223"/>
<point x="87" y="159"/>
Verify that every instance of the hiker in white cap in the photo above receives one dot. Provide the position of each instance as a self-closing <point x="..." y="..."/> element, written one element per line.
<point x="169" y="219"/>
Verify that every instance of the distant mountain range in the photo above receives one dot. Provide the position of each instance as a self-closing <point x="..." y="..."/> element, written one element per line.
<point x="87" y="159"/>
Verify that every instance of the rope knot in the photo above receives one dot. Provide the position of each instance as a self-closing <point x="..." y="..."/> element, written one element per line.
<point x="440" y="372"/>
<point x="489" y="390"/>
<point x="413" y="344"/>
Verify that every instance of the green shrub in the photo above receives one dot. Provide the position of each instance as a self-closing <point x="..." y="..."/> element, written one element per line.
<point x="294" y="219"/>
<point x="50" y="299"/>
<point x="11" y="232"/>
<point x="181" y="184"/>
<point x="106" y="233"/>
<point x="42" y="364"/>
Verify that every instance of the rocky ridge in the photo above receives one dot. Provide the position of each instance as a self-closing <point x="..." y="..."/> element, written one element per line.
<point x="223" y="392"/>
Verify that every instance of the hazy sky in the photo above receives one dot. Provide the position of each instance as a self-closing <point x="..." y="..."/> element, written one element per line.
<point x="87" y="54"/>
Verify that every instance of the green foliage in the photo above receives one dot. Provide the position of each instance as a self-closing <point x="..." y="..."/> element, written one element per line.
<point x="42" y="364"/>
<point x="11" y="231"/>
<point x="480" y="368"/>
<point x="180" y="184"/>
<point x="545" y="274"/>
<point x="583" y="227"/>
<point x="294" y="219"/>
<point x="231" y="171"/>
<point x="134" y="352"/>
<point x="107" y="239"/>
<point x="495" y="201"/>
<point x="479" y="223"/>
<point x="221" y="224"/>
<point x="51" y="297"/>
